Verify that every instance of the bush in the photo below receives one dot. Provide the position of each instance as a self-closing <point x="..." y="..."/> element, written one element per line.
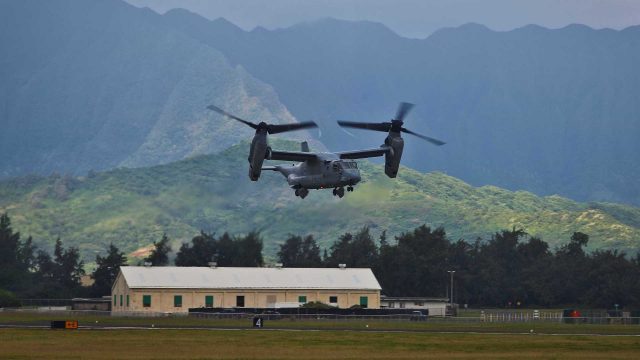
<point x="8" y="299"/>
<point x="317" y="305"/>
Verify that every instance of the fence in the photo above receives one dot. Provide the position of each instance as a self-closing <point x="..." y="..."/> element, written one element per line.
<point x="520" y="316"/>
<point x="594" y="317"/>
<point x="32" y="303"/>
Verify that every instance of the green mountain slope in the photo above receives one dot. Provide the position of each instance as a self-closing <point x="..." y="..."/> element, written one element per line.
<point x="133" y="207"/>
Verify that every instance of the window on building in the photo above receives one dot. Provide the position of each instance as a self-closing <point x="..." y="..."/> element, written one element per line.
<point x="115" y="300"/>
<point x="302" y="299"/>
<point x="208" y="301"/>
<point x="240" y="301"/>
<point x="121" y="300"/>
<point x="364" y="301"/>
<point x="418" y="303"/>
<point x="177" y="300"/>
<point x="333" y="299"/>
<point x="146" y="300"/>
<point x="392" y="304"/>
<point x="127" y="300"/>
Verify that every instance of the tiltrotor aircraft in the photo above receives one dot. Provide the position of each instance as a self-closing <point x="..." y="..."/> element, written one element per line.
<point x="326" y="170"/>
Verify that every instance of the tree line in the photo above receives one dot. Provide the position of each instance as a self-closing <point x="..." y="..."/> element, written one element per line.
<point x="511" y="268"/>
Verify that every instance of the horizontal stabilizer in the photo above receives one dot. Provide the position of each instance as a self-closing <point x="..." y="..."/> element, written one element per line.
<point x="367" y="153"/>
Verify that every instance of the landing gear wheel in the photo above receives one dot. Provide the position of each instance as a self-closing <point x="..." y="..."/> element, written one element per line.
<point x="335" y="192"/>
<point x="297" y="192"/>
<point x="350" y="188"/>
<point x="340" y="192"/>
<point x="303" y="193"/>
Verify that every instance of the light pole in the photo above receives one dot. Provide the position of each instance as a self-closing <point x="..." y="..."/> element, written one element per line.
<point x="451" y="291"/>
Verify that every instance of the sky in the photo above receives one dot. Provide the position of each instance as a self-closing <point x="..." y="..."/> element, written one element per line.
<point x="414" y="18"/>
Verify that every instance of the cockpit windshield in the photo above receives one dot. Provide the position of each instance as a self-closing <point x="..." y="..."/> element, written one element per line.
<point x="350" y="164"/>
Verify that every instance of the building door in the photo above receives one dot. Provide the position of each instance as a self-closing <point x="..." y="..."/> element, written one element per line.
<point x="364" y="301"/>
<point x="240" y="301"/>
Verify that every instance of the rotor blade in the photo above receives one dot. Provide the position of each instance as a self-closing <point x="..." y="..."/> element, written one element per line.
<point x="222" y="112"/>
<point x="403" y="110"/>
<point x="385" y="126"/>
<point x="429" y="139"/>
<point x="275" y="129"/>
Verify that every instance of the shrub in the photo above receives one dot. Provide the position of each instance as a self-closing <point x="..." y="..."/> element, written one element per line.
<point x="317" y="305"/>
<point x="8" y="299"/>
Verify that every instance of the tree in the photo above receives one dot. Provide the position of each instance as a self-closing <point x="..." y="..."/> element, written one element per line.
<point x="226" y="253"/>
<point x="248" y="250"/>
<point x="9" y="243"/>
<point x="68" y="268"/>
<point x="357" y="250"/>
<point x="107" y="270"/>
<point x="45" y="267"/>
<point x="571" y="263"/>
<point x="201" y="251"/>
<point x="537" y="272"/>
<point x="612" y="279"/>
<point x="16" y="258"/>
<point x="159" y="256"/>
<point x="299" y="252"/>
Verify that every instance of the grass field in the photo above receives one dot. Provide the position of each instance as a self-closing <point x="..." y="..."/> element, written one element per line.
<point x="310" y="339"/>
<point x="265" y="344"/>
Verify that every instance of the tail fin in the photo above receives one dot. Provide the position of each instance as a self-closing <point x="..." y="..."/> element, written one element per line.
<point x="304" y="146"/>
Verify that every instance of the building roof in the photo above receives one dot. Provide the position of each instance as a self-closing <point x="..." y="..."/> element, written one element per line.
<point x="249" y="278"/>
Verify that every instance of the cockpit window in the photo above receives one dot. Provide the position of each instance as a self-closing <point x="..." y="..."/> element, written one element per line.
<point x="350" y="165"/>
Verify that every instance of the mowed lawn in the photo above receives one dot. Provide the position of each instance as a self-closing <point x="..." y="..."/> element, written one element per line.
<point x="292" y="344"/>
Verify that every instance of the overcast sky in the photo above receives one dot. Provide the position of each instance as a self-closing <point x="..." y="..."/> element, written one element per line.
<point x="414" y="18"/>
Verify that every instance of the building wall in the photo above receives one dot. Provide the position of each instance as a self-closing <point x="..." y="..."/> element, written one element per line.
<point x="93" y="305"/>
<point x="162" y="300"/>
<point x="435" y="308"/>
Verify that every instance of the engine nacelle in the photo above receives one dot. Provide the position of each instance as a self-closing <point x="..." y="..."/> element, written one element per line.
<point x="259" y="150"/>
<point x="392" y="158"/>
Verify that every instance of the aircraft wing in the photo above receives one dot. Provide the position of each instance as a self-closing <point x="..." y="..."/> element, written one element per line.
<point x="292" y="156"/>
<point x="367" y="153"/>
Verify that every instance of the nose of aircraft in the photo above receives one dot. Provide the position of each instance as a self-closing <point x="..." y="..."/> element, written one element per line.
<point x="353" y="176"/>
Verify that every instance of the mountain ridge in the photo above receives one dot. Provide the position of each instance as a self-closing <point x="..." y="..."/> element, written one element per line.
<point x="100" y="84"/>
<point x="572" y="93"/>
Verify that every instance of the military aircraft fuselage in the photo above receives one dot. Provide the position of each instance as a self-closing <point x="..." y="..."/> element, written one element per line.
<point x="328" y="171"/>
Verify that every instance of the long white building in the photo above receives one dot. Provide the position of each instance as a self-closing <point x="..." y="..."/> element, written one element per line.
<point x="176" y="289"/>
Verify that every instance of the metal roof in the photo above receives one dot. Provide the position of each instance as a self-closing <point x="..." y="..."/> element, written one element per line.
<point x="249" y="278"/>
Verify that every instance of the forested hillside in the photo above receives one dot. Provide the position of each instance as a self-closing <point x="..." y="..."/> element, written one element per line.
<point x="134" y="207"/>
